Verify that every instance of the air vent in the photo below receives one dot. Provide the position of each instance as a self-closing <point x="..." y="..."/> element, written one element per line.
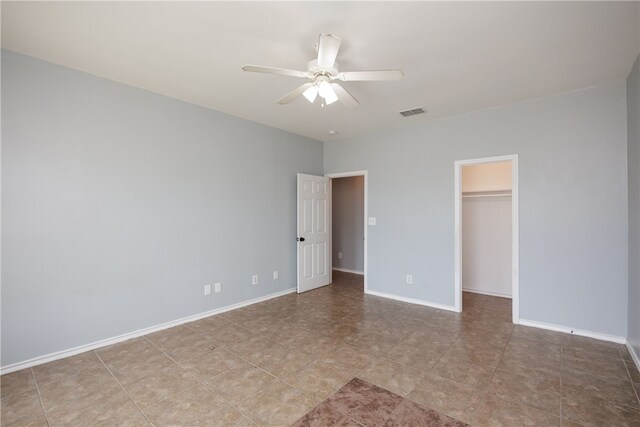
<point x="412" y="112"/>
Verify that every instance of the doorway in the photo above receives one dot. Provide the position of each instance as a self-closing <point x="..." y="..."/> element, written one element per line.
<point x="314" y="230"/>
<point x="486" y="229"/>
<point x="349" y="227"/>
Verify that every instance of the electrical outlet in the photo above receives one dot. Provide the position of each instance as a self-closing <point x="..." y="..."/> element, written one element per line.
<point x="254" y="279"/>
<point x="275" y="275"/>
<point x="217" y="287"/>
<point x="409" y="279"/>
<point x="207" y="289"/>
<point x="372" y="220"/>
<point x="339" y="255"/>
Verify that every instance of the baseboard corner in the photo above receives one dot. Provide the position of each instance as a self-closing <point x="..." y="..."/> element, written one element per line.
<point x="411" y="300"/>
<point x="634" y="355"/>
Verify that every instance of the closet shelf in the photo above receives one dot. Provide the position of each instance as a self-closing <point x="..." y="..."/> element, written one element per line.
<point x="472" y="194"/>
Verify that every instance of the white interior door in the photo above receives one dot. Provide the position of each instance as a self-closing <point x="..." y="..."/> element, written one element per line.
<point x="314" y="232"/>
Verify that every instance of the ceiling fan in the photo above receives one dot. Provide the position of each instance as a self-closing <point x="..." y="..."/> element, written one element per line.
<point x="322" y="73"/>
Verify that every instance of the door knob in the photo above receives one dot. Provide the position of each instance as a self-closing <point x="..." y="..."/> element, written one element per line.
<point x="300" y="239"/>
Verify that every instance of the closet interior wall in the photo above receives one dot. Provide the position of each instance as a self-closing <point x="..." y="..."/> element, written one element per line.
<point x="486" y="229"/>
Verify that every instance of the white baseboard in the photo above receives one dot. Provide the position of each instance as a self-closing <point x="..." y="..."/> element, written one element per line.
<point x="634" y="356"/>
<point x="568" y="330"/>
<point x="145" y="331"/>
<point x="491" y="294"/>
<point x="345" y="270"/>
<point x="411" y="300"/>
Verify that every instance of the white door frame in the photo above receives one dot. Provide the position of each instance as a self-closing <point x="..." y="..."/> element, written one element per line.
<point x="366" y="210"/>
<point x="515" y="236"/>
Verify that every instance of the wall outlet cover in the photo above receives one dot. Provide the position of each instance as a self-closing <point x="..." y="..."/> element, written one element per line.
<point x="217" y="287"/>
<point x="254" y="279"/>
<point x="275" y="275"/>
<point x="372" y="220"/>
<point x="409" y="279"/>
<point x="339" y="255"/>
<point x="207" y="289"/>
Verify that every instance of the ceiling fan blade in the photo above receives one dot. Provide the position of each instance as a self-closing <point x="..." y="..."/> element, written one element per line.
<point x="294" y="94"/>
<point x="345" y="97"/>
<point x="328" y="46"/>
<point x="378" y="75"/>
<point x="273" y="70"/>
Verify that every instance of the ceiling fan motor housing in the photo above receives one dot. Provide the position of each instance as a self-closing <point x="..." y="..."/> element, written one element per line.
<point x="315" y="70"/>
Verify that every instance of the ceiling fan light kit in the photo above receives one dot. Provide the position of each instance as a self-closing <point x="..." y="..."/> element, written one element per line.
<point x="322" y="72"/>
<point x="311" y="93"/>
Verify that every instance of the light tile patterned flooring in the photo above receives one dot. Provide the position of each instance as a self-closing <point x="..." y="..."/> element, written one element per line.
<point x="272" y="363"/>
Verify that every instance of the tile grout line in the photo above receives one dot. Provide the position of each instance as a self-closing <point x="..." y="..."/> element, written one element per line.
<point x="318" y="402"/>
<point x="121" y="386"/>
<point x="562" y="348"/>
<point x="429" y="371"/>
<point x="521" y="402"/>
<point x="245" y="360"/>
<point x="343" y="343"/>
<point x="560" y="416"/>
<point x="282" y="379"/>
<point x="486" y="392"/>
<point x="347" y="415"/>
<point x="563" y="388"/>
<point x="258" y="367"/>
<point x="600" y="376"/>
<point x="630" y="377"/>
<point x="202" y="382"/>
<point x="562" y="391"/>
<point x="164" y="398"/>
<point x="46" y="417"/>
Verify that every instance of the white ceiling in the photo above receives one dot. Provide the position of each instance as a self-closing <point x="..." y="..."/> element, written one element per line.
<point x="457" y="56"/>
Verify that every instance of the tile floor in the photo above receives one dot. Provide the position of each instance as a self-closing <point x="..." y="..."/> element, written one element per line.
<point x="293" y="359"/>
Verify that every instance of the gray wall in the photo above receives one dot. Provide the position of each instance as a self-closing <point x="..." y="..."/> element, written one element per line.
<point x="348" y="222"/>
<point x="633" y="156"/>
<point x="573" y="203"/>
<point x="119" y="205"/>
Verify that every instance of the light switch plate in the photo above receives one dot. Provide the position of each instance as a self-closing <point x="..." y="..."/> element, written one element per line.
<point x="372" y="220"/>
